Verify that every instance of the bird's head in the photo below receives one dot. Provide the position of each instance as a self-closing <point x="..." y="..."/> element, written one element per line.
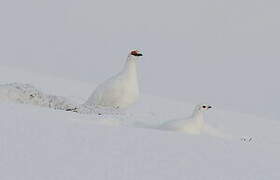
<point x="202" y="107"/>
<point x="134" y="55"/>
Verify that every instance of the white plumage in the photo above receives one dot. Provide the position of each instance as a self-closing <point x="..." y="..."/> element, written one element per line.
<point x="121" y="90"/>
<point x="192" y="125"/>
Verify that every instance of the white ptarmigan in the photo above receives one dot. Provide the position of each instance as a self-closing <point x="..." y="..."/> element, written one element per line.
<point x="192" y="125"/>
<point x="195" y="125"/>
<point x="121" y="90"/>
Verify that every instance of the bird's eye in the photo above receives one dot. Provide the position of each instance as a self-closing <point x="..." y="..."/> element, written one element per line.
<point x="203" y="106"/>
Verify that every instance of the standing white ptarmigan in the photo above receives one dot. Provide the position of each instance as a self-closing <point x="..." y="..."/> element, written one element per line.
<point x="192" y="125"/>
<point x="121" y="90"/>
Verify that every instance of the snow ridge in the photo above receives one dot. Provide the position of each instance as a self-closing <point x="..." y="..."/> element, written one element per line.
<point x="28" y="94"/>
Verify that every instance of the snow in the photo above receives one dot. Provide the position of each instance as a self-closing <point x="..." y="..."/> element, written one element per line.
<point x="51" y="144"/>
<point x="28" y="94"/>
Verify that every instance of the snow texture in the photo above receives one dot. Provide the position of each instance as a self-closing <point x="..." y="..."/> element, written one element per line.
<point x="40" y="143"/>
<point x="28" y="94"/>
<point x="50" y="144"/>
<point x="194" y="125"/>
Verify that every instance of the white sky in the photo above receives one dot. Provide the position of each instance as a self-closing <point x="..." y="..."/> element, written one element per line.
<point x="225" y="53"/>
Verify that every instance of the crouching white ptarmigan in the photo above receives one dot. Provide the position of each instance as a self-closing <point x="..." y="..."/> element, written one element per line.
<point x="120" y="91"/>
<point x="195" y="125"/>
<point x="192" y="125"/>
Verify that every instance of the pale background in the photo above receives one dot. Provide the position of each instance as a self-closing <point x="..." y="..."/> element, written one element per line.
<point x="225" y="53"/>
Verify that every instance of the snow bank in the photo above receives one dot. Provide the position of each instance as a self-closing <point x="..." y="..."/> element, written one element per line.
<point x="40" y="143"/>
<point x="44" y="143"/>
<point x="28" y="94"/>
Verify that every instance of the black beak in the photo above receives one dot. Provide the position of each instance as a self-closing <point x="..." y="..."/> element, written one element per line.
<point x="137" y="55"/>
<point x="209" y="107"/>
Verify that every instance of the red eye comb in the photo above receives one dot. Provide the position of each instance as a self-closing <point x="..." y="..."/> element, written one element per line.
<point x="136" y="53"/>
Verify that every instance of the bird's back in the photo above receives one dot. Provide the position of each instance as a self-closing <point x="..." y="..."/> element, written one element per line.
<point x="117" y="92"/>
<point x="121" y="90"/>
<point x="177" y="124"/>
<point x="187" y="125"/>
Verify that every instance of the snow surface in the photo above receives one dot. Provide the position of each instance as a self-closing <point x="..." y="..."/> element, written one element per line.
<point x="28" y="94"/>
<point x="45" y="143"/>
